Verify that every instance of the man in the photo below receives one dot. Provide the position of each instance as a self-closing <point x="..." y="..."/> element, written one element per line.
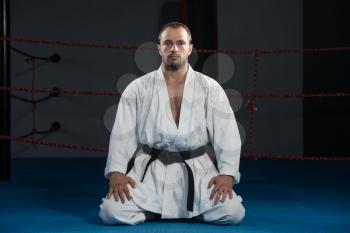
<point x="165" y="118"/>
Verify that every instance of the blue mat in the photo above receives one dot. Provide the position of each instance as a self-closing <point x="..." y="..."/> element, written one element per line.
<point x="62" y="195"/>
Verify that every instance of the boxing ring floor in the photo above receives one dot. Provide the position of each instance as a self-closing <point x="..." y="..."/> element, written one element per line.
<point x="63" y="195"/>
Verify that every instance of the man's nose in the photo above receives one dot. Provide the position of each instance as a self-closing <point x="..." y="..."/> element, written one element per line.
<point x="174" y="47"/>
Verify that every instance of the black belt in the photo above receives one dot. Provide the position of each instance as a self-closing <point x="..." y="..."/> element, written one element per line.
<point x="170" y="157"/>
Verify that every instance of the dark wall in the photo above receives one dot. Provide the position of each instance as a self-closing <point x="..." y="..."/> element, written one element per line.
<point x="86" y="120"/>
<point x="268" y="24"/>
<point x="201" y="17"/>
<point x="326" y="120"/>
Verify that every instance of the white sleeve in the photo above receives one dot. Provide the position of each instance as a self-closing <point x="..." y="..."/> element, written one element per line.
<point x="123" y="139"/>
<point x="223" y="131"/>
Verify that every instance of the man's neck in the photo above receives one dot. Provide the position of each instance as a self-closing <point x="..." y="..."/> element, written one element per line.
<point x="177" y="76"/>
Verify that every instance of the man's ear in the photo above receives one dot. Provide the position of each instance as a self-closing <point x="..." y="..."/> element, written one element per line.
<point x="158" y="47"/>
<point x="190" y="50"/>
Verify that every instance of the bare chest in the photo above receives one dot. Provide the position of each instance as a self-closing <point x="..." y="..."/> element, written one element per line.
<point x="175" y="92"/>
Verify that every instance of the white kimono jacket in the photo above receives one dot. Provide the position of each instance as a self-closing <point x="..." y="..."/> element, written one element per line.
<point x="144" y="117"/>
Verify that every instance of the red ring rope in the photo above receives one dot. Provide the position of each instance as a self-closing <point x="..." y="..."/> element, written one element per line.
<point x="114" y="93"/>
<point x="257" y="53"/>
<point x="226" y="51"/>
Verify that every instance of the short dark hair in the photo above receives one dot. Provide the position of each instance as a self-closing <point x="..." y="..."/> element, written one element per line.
<point x="175" y="25"/>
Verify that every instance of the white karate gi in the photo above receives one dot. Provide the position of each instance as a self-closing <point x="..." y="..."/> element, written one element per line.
<point x="144" y="117"/>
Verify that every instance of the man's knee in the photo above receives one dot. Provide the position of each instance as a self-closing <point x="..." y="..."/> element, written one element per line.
<point x="109" y="211"/>
<point x="235" y="213"/>
<point x="113" y="212"/>
<point x="231" y="212"/>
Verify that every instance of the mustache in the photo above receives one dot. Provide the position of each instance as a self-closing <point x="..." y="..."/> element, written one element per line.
<point x="173" y="55"/>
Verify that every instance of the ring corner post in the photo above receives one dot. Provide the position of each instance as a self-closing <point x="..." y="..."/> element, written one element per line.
<point x="5" y="145"/>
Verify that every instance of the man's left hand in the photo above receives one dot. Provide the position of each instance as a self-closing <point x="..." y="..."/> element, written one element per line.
<point x="222" y="186"/>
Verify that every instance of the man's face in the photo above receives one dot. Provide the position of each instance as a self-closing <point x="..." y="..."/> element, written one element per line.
<point x="174" y="48"/>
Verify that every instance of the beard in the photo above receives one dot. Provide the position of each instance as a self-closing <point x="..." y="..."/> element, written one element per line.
<point x="171" y="65"/>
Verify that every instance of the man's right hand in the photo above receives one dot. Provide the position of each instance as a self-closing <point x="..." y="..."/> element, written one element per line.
<point x="118" y="186"/>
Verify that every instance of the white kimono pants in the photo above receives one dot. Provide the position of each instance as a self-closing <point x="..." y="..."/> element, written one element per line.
<point x="114" y="212"/>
